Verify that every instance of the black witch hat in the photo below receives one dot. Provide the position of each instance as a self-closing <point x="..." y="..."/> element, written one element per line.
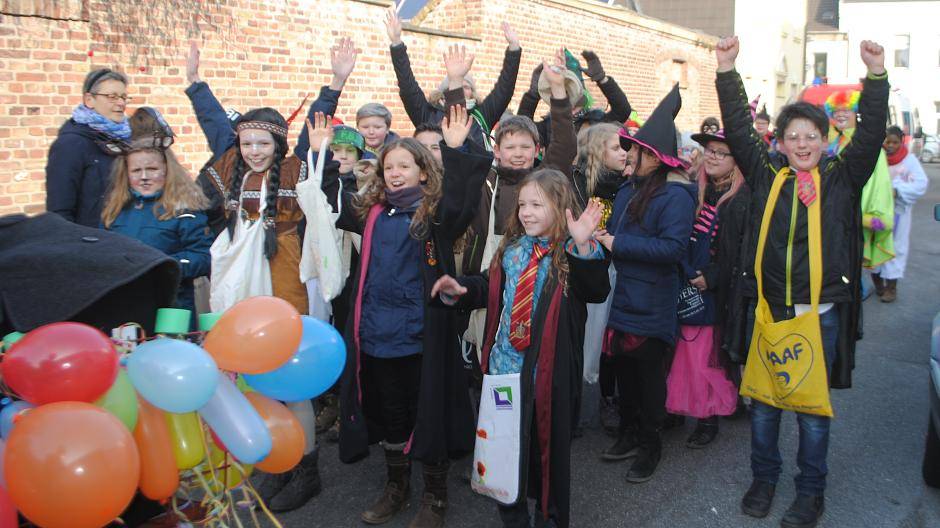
<point x="658" y="133"/>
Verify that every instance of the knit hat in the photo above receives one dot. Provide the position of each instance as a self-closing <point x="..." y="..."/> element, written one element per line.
<point x="347" y="135"/>
<point x="842" y="99"/>
<point x="658" y="133"/>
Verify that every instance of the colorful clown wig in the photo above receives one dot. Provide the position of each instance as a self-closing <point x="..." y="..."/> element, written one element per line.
<point x="842" y="99"/>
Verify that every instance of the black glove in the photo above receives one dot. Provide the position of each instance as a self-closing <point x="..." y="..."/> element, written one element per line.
<point x="534" y="83"/>
<point x="594" y="69"/>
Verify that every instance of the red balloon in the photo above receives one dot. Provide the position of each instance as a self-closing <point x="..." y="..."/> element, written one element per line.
<point x="7" y="510"/>
<point x="61" y="362"/>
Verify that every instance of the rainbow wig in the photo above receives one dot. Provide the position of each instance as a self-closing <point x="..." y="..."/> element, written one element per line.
<point x="842" y="99"/>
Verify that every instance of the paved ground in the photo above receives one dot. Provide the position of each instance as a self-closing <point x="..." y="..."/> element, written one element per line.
<point x="875" y="456"/>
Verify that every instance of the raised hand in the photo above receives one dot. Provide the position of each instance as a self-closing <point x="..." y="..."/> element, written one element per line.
<point x="582" y="229"/>
<point x="343" y="59"/>
<point x="726" y="52"/>
<point x="393" y="26"/>
<point x="192" y="64"/>
<point x="555" y="73"/>
<point x="318" y="130"/>
<point x="605" y="238"/>
<point x="456" y="126"/>
<point x="510" y="35"/>
<point x="873" y="55"/>
<point x="449" y="286"/>
<point x="458" y="63"/>
<point x="594" y="68"/>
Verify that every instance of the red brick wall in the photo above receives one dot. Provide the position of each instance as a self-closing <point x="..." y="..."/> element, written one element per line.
<point x="272" y="52"/>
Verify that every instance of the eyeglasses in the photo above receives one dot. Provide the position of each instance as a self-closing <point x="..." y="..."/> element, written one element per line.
<point x="114" y="97"/>
<point x="793" y="137"/>
<point x="710" y="129"/>
<point x="717" y="154"/>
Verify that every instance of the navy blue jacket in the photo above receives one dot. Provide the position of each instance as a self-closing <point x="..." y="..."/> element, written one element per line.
<point x="647" y="258"/>
<point x="78" y="172"/>
<point x="186" y="238"/>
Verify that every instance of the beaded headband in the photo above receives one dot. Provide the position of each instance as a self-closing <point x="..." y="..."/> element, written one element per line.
<point x="262" y="125"/>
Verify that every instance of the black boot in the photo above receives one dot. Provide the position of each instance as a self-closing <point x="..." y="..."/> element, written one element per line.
<point x="651" y="448"/>
<point x="395" y="495"/>
<point x="804" y="512"/>
<point x="434" y="499"/>
<point x="304" y="484"/>
<point x="272" y="484"/>
<point x="705" y="432"/>
<point x="758" y="499"/>
<point x="626" y="446"/>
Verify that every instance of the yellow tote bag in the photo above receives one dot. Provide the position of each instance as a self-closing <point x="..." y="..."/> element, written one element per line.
<point x="786" y="364"/>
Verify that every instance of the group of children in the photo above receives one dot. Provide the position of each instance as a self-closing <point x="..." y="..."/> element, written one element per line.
<point x="543" y="246"/>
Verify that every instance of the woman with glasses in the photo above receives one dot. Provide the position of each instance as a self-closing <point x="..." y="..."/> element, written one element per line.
<point x="79" y="164"/>
<point x="698" y="384"/>
<point x="153" y="199"/>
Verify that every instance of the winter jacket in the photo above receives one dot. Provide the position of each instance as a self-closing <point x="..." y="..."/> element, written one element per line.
<point x="841" y="178"/>
<point x="485" y="114"/>
<point x="616" y="99"/>
<point x="78" y="173"/>
<point x="647" y="258"/>
<point x="186" y="238"/>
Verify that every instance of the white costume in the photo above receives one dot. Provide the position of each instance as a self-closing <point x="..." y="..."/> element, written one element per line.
<point x="910" y="183"/>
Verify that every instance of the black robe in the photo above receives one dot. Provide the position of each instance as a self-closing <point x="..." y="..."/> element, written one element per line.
<point x="444" y="424"/>
<point x="550" y="403"/>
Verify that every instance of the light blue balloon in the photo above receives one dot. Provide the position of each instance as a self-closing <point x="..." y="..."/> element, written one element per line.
<point x="8" y="413"/>
<point x="236" y="422"/>
<point x="311" y="371"/>
<point x="173" y="375"/>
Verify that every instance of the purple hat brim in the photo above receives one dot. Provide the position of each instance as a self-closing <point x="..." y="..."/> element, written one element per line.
<point x="703" y="138"/>
<point x="672" y="161"/>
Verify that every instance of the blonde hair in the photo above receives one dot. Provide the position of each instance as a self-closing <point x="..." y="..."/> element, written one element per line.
<point x="558" y="195"/>
<point x="180" y="192"/>
<point x="374" y="191"/>
<point x="591" y="145"/>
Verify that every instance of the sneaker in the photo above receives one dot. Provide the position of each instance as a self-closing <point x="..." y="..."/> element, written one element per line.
<point x="645" y="464"/>
<point x="758" y="499"/>
<point x="626" y="446"/>
<point x="804" y="512"/>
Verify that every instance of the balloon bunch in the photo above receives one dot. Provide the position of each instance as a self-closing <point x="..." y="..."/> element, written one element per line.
<point x="87" y="432"/>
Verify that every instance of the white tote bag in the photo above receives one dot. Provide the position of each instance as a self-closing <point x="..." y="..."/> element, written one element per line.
<point x="321" y="257"/>
<point x="496" y="452"/>
<point x="594" y="330"/>
<point x="475" y="328"/>
<point x="239" y="268"/>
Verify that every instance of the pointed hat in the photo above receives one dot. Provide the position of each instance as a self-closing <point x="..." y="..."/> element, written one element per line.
<point x="658" y="133"/>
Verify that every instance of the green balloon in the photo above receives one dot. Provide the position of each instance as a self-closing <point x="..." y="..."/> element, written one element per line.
<point x="121" y="400"/>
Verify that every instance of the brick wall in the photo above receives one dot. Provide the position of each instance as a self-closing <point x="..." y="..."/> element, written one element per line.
<point x="272" y="52"/>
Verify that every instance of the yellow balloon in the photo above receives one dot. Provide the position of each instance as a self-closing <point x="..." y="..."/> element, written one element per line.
<point x="186" y="437"/>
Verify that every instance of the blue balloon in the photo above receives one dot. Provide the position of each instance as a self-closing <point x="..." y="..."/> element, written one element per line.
<point x="9" y="413"/>
<point x="236" y="422"/>
<point x="173" y="375"/>
<point x="312" y="371"/>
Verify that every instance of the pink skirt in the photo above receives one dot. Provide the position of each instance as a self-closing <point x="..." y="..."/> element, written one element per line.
<point x="693" y="387"/>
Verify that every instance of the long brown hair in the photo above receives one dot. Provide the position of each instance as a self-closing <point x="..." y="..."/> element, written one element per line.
<point x="558" y="195"/>
<point x="180" y="192"/>
<point x="647" y="186"/>
<point x="591" y="145"/>
<point x="374" y="191"/>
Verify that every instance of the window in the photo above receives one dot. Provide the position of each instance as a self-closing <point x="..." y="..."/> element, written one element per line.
<point x="819" y="65"/>
<point x="902" y="51"/>
<point x="680" y="72"/>
<point x="409" y="8"/>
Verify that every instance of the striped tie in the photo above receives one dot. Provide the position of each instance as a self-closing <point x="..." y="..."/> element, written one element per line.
<point x="520" y="319"/>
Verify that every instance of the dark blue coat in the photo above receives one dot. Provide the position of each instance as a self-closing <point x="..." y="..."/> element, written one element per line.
<point x="78" y="172"/>
<point x="186" y="238"/>
<point x="647" y="258"/>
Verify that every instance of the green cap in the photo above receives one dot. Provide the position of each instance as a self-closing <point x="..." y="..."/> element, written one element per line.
<point x="172" y="321"/>
<point x="347" y="135"/>
<point x="208" y="320"/>
<point x="11" y="338"/>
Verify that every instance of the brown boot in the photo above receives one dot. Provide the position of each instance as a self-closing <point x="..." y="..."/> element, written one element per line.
<point x="879" y="284"/>
<point x="891" y="291"/>
<point x="329" y="412"/>
<point x="395" y="495"/>
<point x="434" y="498"/>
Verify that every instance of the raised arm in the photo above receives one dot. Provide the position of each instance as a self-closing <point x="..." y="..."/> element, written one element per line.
<point x="748" y="149"/>
<point x="464" y="173"/>
<point x="563" y="147"/>
<point x="530" y="99"/>
<point x="412" y="97"/>
<point x="343" y="61"/>
<point x="862" y="153"/>
<point x="209" y="112"/>
<point x="497" y="101"/>
<point x="619" y="105"/>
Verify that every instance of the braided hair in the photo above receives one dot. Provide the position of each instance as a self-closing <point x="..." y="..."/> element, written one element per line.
<point x="273" y="180"/>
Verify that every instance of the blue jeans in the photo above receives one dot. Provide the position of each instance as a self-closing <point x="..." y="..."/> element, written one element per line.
<point x="814" y="430"/>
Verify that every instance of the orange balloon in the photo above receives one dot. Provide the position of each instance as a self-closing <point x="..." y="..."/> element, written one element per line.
<point x="287" y="435"/>
<point x="255" y="336"/>
<point x="71" y="465"/>
<point x="159" y="477"/>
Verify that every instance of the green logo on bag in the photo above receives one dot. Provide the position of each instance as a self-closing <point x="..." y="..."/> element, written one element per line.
<point x="789" y="361"/>
<point x="502" y="397"/>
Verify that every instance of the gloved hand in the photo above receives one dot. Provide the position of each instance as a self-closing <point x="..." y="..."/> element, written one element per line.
<point x="534" y="83"/>
<point x="594" y="68"/>
<point x="877" y="224"/>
